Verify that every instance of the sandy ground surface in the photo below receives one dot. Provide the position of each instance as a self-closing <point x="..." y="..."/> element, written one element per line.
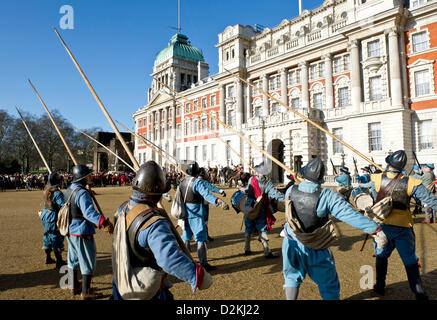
<point x="23" y="274"/>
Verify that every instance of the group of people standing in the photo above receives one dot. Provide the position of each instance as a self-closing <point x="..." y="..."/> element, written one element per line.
<point x="308" y="233"/>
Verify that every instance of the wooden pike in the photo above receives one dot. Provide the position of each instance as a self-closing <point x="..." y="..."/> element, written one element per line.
<point x="99" y="102"/>
<point x="279" y="163"/>
<point x="308" y="120"/>
<point x="174" y="231"/>
<point x="34" y="142"/>
<point x="153" y="148"/>
<point x="106" y="148"/>
<point x="65" y="144"/>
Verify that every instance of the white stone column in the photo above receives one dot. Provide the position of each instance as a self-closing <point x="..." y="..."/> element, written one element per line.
<point x="305" y="89"/>
<point x="265" y="88"/>
<point x="248" y="112"/>
<point x="395" y="68"/>
<point x="284" y="91"/>
<point x="173" y="133"/>
<point x="328" y="81"/>
<point x="222" y="105"/>
<point x="356" y="85"/>
<point x="239" y="112"/>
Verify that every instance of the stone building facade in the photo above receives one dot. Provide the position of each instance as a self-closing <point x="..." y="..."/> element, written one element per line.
<point x="363" y="69"/>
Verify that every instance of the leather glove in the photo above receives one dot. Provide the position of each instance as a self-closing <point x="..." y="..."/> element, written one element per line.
<point x="222" y="204"/>
<point x="206" y="282"/>
<point x="108" y="226"/>
<point x="167" y="196"/>
<point x="380" y="238"/>
<point x="222" y="193"/>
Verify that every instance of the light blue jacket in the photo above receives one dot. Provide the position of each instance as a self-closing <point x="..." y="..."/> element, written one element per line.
<point x="343" y="180"/>
<point x="92" y="219"/>
<point x="200" y="187"/>
<point x="58" y="202"/>
<point x="331" y="203"/>
<point x="161" y="241"/>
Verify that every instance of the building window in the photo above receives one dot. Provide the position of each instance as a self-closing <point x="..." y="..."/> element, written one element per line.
<point x="178" y="153"/>
<point x="187" y="107"/>
<point x="231" y="117"/>
<point x="337" y="65"/>
<point x="375" y="88"/>
<point x="317" y="100"/>
<point x="204" y="105"/>
<point x="295" y="103"/>
<point x="420" y="41"/>
<point x="274" y="83"/>
<point x="373" y="48"/>
<point x="346" y="62"/>
<point x="178" y="110"/>
<point x="343" y="97"/>
<point x="178" y="130"/>
<point x="321" y="69"/>
<point x="313" y="71"/>
<point x="276" y="107"/>
<point x="213" y="121"/>
<point x="416" y="3"/>
<point x="213" y="100"/>
<point x="187" y="128"/>
<point x="139" y="158"/>
<point x="257" y="111"/>
<point x="204" y="125"/>
<point x="425" y="135"/>
<point x="375" y="136"/>
<point x="422" y="84"/>
<point x="196" y="152"/>
<point x="231" y="92"/>
<point x="293" y="77"/>
<point x="187" y="153"/>
<point x="204" y="152"/>
<point x="338" y="147"/>
<point x="140" y="123"/>
<point x="195" y="126"/>
<point x="257" y="84"/>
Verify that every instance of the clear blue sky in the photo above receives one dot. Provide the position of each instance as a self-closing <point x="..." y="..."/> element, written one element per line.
<point x="115" y="43"/>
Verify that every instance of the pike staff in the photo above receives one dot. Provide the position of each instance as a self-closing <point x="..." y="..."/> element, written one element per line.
<point x="34" y="142"/>
<point x="65" y="144"/>
<point x="309" y="120"/>
<point x="99" y="102"/>
<point x="279" y="163"/>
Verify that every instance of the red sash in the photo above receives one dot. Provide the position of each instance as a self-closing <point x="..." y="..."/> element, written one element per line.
<point x="266" y="203"/>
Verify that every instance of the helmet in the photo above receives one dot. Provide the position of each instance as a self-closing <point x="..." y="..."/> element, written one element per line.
<point x="150" y="179"/>
<point x="54" y="179"/>
<point x="314" y="171"/>
<point x="80" y="172"/>
<point x="203" y="173"/>
<point x="193" y="169"/>
<point x="397" y="160"/>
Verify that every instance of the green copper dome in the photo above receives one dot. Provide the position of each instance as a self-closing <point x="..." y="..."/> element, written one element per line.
<point x="179" y="47"/>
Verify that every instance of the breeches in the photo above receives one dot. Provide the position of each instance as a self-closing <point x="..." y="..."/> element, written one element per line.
<point x="82" y="254"/>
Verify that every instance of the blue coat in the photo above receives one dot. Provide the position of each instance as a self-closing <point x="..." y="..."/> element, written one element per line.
<point x="159" y="238"/>
<point x="344" y="180"/>
<point x="92" y="219"/>
<point x="200" y="187"/>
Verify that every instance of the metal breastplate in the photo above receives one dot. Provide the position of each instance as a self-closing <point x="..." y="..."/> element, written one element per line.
<point x="305" y="205"/>
<point x="75" y="212"/>
<point x="191" y="197"/>
<point x="139" y="256"/>
<point x="401" y="199"/>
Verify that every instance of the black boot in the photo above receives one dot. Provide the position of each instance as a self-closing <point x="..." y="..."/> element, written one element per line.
<point x="415" y="281"/>
<point x="59" y="261"/>
<point x="49" y="259"/>
<point x="87" y="292"/>
<point x="381" y="273"/>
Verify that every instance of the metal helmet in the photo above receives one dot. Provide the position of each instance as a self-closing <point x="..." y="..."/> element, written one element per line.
<point x="193" y="169"/>
<point x="150" y="179"/>
<point x="203" y="173"/>
<point x="397" y="160"/>
<point x="80" y="172"/>
<point x="314" y="171"/>
<point x="54" y="179"/>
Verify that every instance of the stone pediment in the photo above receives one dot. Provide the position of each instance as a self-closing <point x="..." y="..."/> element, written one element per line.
<point x="420" y="62"/>
<point x="159" y="97"/>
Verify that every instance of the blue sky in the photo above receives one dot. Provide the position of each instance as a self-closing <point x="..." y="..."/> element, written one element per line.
<point x="115" y="43"/>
